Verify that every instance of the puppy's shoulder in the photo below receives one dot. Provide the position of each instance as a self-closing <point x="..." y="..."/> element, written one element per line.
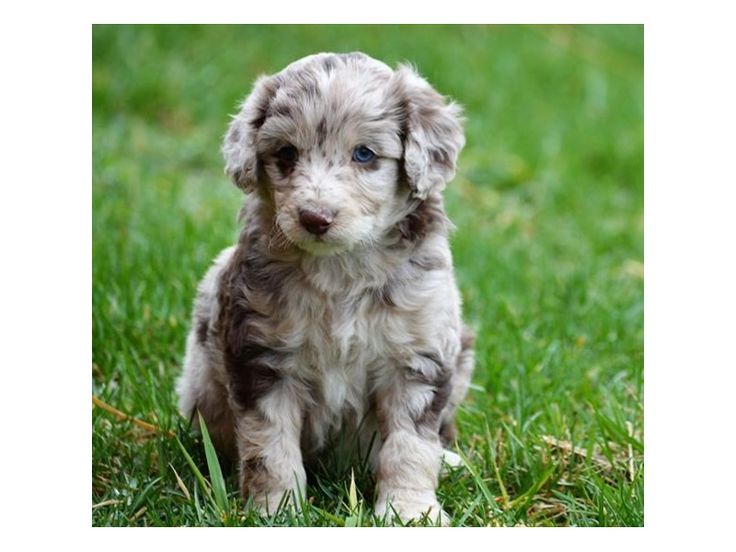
<point x="206" y="302"/>
<point x="427" y="230"/>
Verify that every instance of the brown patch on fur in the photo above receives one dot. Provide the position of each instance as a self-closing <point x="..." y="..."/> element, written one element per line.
<point x="467" y="338"/>
<point x="427" y="218"/>
<point x="219" y="419"/>
<point x="429" y="420"/>
<point x="402" y="111"/>
<point x="321" y="132"/>
<point x="250" y="361"/>
<point x="382" y="416"/>
<point x="255" y="479"/>
<point x="202" y="329"/>
<point x="328" y="63"/>
<point x="441" y="383"/>
<point x="280" y="110"/>
<point x="258" y="121"/>
<point x="428" y="263"/>
<point x="270" y="87"/>
<point x="382" y="296"/>
<point x="255" y="380"/>
<point x="239" y="178"/>
<point x="448" y="433"/>
<point x="442" y="157"/>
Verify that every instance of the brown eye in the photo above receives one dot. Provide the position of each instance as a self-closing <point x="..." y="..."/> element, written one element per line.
<point x="288" y="154"/>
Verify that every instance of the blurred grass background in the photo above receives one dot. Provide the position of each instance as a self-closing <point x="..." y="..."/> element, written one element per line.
<point x="548" y="204"/>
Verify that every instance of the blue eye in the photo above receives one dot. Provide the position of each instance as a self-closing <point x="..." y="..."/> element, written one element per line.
<point x="363" y="154"/>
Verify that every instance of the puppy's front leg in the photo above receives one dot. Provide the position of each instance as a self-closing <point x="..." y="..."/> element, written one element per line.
<point x="268" y="436"/>
<point x="408" y="407"/>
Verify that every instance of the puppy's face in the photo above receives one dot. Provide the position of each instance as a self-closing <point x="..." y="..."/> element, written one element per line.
<point x="331" y="150"/>
<point x="343" y="147"/>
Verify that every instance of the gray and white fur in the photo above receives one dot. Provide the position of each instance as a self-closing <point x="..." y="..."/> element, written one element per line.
<point x="337" y="310"/>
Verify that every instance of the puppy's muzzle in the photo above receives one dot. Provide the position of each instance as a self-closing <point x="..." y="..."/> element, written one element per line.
<point x="316" y="221"/>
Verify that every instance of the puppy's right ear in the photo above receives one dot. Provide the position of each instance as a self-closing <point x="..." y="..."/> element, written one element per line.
<point x="239" y="148"/>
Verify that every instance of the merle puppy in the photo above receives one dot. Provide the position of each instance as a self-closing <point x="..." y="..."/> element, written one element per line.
<point x="337" y="310"/>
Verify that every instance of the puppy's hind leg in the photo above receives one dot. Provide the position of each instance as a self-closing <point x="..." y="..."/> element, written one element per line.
<point x="200" y="392"/>
<point x="460" y="382"/>
<point x="201" y="387"/>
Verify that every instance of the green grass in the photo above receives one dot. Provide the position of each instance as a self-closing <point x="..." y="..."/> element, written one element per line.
<point x="548" y="204"/>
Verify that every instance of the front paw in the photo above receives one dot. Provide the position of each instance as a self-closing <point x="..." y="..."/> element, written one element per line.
<point x="411" y="506"/>
<point x="270" y="494"/>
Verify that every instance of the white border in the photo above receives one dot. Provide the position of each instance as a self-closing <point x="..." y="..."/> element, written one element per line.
<point x="46" y="220"/>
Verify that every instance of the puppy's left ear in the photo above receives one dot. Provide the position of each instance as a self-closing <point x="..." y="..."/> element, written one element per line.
<point x="433" y="133"/>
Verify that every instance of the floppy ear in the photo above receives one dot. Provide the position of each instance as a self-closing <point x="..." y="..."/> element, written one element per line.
<point x="239" y="148"/>
<point x="433" y="134"/>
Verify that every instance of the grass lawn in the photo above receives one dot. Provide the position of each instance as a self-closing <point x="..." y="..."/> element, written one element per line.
<point x="548" y="204"/>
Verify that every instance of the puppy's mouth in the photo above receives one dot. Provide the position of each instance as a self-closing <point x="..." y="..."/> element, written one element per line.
<point x="321" y="247"/>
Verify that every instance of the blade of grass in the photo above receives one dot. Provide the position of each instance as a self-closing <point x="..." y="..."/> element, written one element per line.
<point x="527" y="495"/>
<point x="485" y="491"/>
<point x="198" y="507"/>
<point x="352" y="493"/>
<point x="122" y="416"/>
<point x="613" y="429"/>
<point x="144" y="493"/>
<point x="109" y="502"/>
<point x="333" y="518"/>
<point x="468" y="511"/>
<point x="197" y="474"/>
<point x="492" y="450"/>
<point x="181" y="485"/>
<point x="213" y="465"/>
<point x="352" y="519"/>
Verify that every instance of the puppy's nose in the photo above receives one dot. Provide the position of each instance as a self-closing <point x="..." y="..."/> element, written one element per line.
<point x="316" y="221"/>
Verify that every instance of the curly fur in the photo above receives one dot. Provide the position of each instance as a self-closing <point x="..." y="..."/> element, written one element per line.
<point x="297" y="337"/>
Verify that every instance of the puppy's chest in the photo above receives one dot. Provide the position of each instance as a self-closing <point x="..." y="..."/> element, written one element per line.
<point x="340" y="345"/>
<point x="328" y="332"/>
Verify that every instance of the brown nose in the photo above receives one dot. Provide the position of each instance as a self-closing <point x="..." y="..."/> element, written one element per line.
<point x="317" y="221"/>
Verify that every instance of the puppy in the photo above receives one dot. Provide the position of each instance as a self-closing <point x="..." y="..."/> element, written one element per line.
<point x="337" y="310"/>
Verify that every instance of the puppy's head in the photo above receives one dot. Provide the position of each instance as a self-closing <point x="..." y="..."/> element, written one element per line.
<point x="343" y="147"/>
